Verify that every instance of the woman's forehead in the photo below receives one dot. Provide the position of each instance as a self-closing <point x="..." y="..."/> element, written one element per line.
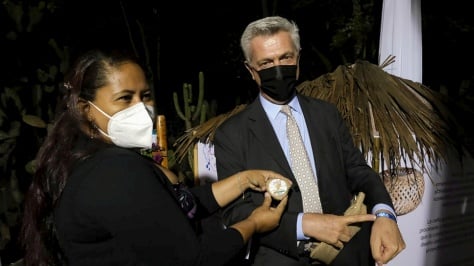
<point x="128" y="76"/>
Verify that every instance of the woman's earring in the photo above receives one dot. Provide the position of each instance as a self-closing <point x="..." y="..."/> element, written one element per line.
<point x="93" y="129"/>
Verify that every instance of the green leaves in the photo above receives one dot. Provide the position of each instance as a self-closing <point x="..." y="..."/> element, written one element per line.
<point x="34" y="121"/>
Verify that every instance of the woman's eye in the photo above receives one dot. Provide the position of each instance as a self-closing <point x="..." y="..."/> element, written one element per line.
<point x="146" y="96"/>
<point x="126" y="97"/>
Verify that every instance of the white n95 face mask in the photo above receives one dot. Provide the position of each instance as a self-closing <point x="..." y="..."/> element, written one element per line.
<point x="151" y="111"/>
<point x="129" y="128"/>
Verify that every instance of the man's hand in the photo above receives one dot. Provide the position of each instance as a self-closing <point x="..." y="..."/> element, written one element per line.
<point x="332" y="229"/>
<point x="386" y="241"/>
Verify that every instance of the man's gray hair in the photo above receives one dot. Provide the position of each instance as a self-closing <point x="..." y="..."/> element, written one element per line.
<point x="268" y="26"/>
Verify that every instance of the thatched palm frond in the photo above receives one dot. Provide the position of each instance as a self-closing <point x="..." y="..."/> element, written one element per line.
<point x="203" y="133"/>
<point x="410" y="120"/>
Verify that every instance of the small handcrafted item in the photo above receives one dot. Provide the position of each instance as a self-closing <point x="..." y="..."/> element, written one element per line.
<point x="406" y="187"/>
<point x="327" y="253"/>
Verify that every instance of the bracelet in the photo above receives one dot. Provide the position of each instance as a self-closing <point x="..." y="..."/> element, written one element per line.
<point x="241" y="188"/>
<point x="386" y="215"/>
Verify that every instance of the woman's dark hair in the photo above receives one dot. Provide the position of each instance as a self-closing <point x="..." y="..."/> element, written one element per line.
<point x="57" y="154"/>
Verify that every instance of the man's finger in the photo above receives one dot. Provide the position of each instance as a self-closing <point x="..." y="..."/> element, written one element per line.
<point x="339" y="244"/>
<point x="345" y="237"/>
<point x="350" y="219"/>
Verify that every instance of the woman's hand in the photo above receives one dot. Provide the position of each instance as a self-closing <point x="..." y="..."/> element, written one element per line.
<point x="262" y="219"/>
<point x="229" y="189"/>
<point x="265" y="217"/>
<point x="257" y="179"/>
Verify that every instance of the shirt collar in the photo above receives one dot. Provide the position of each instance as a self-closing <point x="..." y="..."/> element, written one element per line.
<point x="273" y="110"/>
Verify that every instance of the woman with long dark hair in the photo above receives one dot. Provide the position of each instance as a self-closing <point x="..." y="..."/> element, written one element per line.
<point x="96" y="200"/>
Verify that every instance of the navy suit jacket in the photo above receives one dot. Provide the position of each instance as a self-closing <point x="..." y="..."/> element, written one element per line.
<point x="247" y="140"/>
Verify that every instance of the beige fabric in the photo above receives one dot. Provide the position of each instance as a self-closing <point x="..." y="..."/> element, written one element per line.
<point x="327" y="253"/>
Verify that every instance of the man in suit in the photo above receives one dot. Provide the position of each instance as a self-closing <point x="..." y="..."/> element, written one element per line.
<point x="256" y="138"/>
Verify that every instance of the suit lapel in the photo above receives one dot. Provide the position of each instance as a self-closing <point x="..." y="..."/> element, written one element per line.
<point x="262" y="130"/>
<point x="313" y="120"/>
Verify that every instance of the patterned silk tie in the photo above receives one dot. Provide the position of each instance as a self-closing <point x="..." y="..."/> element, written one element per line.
<point x="301" y="166"/>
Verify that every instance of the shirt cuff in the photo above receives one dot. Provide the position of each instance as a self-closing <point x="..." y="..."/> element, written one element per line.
<point x="299" y="228"/>
<point x="381" y="206"/>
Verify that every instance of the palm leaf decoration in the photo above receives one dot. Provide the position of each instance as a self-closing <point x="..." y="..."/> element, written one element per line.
<point x="405" y="122"/>
<point x="412" y="122"/>
<point x="203" y="133"/>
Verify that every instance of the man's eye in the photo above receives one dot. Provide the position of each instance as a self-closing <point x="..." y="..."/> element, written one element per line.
<point x="287" y="59"/>
<point x="266" y="65"/>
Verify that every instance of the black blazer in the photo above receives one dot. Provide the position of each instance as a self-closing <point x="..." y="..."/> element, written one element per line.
<point x="247" y="141"/>
<point x="118" y="208"/>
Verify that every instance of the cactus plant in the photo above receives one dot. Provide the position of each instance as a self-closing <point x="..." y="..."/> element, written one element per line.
<point x="193" y="113"/>
<point x="190" y="112"/>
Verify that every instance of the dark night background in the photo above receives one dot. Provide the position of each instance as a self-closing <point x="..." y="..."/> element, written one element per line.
<point x="181" y="38"/>
<point x="184" y="38"/>
<point x="204" y="36"/>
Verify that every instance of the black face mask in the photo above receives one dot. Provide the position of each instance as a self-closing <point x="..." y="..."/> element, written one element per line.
<point x="279" y="82"/>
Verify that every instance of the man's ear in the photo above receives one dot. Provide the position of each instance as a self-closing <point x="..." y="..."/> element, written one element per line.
<point x="297" y="71"/>
<point x="298" y="66"/>
<point x="250" y="69"/>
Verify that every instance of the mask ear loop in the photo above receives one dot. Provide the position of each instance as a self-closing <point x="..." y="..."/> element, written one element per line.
<point x="96" y="128"/>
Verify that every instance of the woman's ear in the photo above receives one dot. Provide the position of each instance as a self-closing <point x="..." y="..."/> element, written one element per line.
<point x="83" y="107"/>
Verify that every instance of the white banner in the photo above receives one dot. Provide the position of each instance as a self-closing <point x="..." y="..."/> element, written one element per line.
<point x="206" y="163"/>
<point x="400" y="36"/>
<point x="440" y="230"/>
